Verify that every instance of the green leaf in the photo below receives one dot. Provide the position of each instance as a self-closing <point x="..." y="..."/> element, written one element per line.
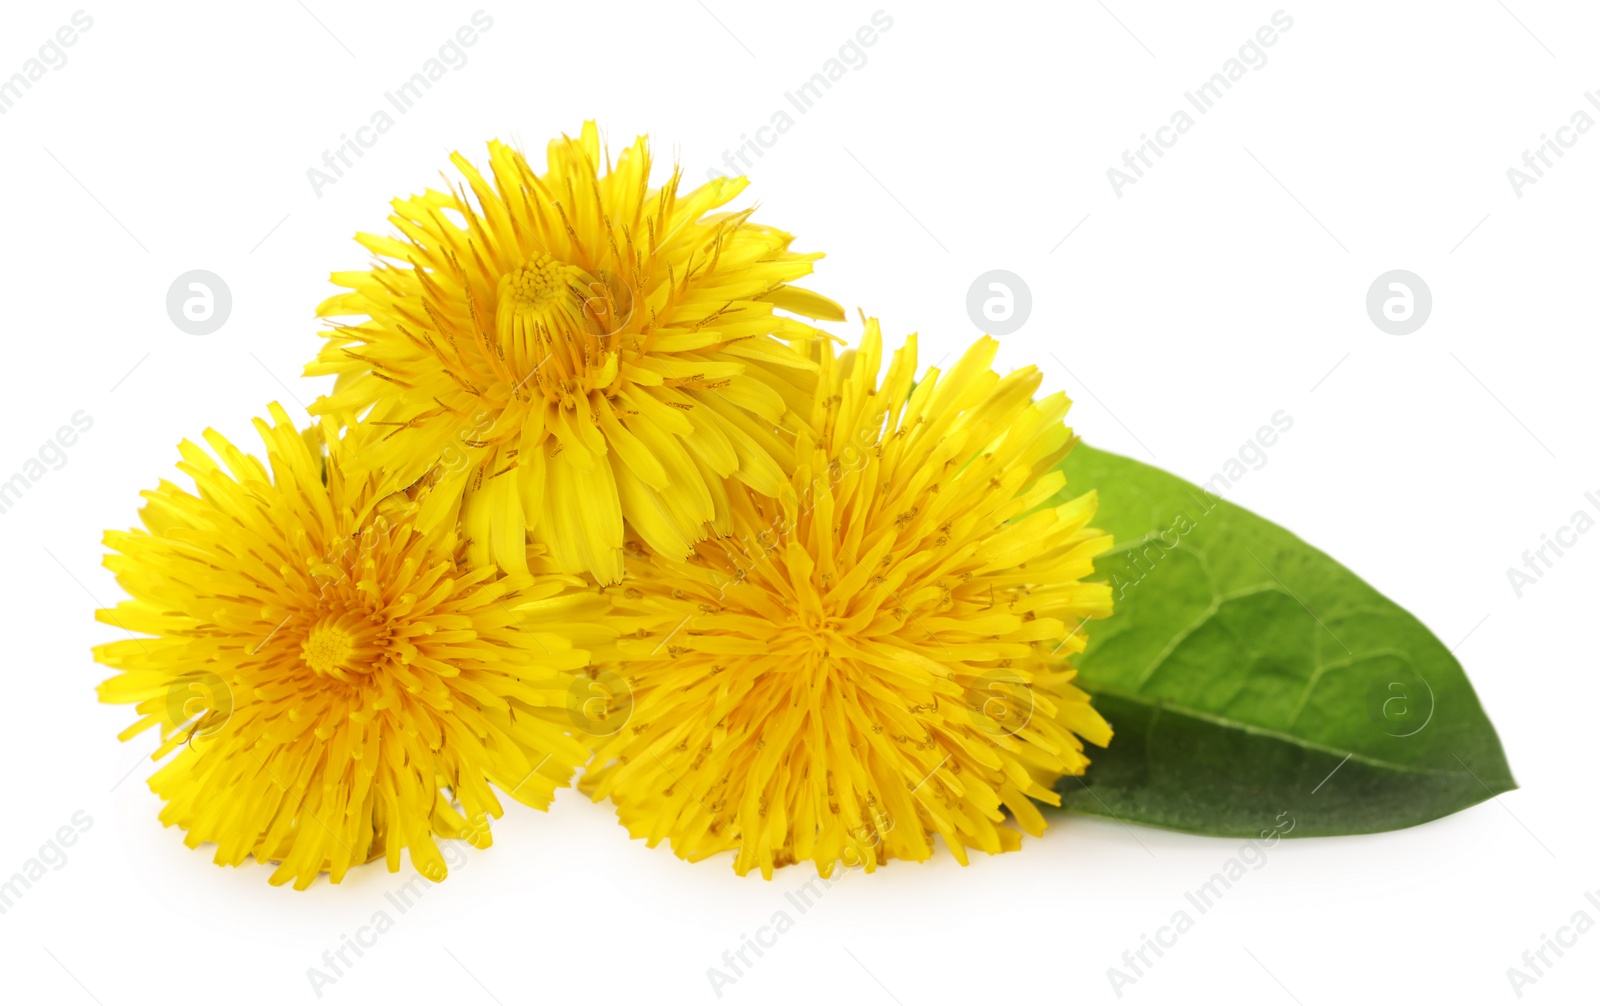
<point x="1248" y="675"/>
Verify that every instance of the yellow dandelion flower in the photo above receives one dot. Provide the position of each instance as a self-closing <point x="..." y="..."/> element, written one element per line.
<point x="337" y="683"/>
<point x="571" y="353"/>
<point x="879" y="655"/>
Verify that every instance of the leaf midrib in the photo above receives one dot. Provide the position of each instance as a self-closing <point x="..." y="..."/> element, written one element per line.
<point x="1098" y="688"/>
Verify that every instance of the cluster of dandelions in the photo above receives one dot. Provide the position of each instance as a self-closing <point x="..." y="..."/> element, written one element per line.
<point x="581" y="498"/>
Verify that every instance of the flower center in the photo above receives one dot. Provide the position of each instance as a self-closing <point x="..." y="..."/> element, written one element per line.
<point x="339" y="646"/>
<point x="814" y="632"/>
<point x="535" y="284"/>
<point x="561" y="328"/>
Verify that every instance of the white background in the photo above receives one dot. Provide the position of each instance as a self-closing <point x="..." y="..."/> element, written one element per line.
<point x="1222" y="287"/>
